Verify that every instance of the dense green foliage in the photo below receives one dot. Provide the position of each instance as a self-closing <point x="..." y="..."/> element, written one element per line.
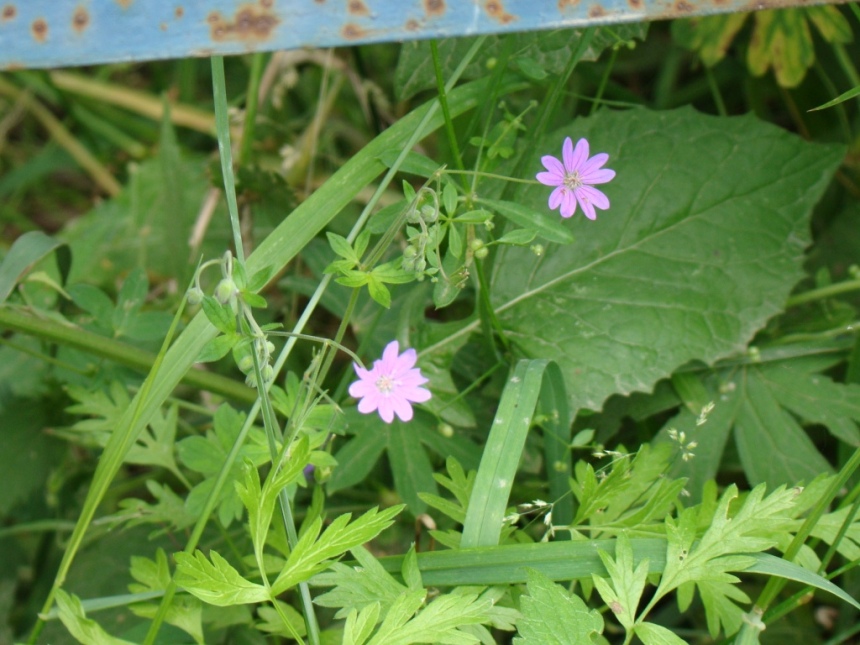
<point x="643" y="427"/>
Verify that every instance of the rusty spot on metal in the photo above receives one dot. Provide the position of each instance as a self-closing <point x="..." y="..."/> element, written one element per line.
<point x="682" y="6"/>
<point x="434" y="7"/>
<point x="357" y="8"/>
<point x="80" y="19"/>
<point x="250" y="23"/>
<point x="9" y="12"/>
<point x="39" y="29"/>
<point x="352" y="32"/>
<point x="412" y="25"/>
<point x="496" y="10"/>
<point x="179" y="12"/>
<point x="635" y="4"/>
<point x="596" y="11"/>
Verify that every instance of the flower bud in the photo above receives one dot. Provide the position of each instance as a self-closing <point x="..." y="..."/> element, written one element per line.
<point x="195" y="296"/>
<point x="429" y="214"/>
<point x="410" y="252"/>
<point x="476" y="244"/>
<point x="225" y="290"/>
<point x="482" y="253"/>
<point x="246" y="363"/>
<point x="537" y="249"/>
<point x="420" y="264"/>
<point x="268" y="373"/>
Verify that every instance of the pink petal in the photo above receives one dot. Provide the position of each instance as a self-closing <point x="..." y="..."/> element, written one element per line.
<point x="594" y="163"/>
<point x="406" y="361"/>
<point x="594" y="196"/>
<point x="389" y="356"/>
<point x="598" y="176"/>
<point x="368" y="404"/>
<point x="386" y="411"/>
<point x="360" y="389"/>
<point x="412" y="379"/>
<point x="549" y="178"/>
<point x="587" y="208"/>
<point x="568" y="204"/>
<point x="574" y="158"/>
<point x="556" y="197"/>
<point x="553" y="165"/>
<point x="416" y="394"/>
<point x="402" y="408"/>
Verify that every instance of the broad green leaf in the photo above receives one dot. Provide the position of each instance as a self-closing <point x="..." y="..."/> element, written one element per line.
<point x="816" y="398"/>
<point x="357" y="457"/>
<point x="359" y="626"/>
<point x="412" y="470"/>
<point x="544" y="223"/>
<point x="756" y="526"/>
<point x="703" y="242"/>
<point x="313" y="552"/>
<point x="358" y="587"/>
<point x="85" y="630"/>
<point x="653" y="634"/>
<point x="26" y="251"/>
<point x="438" y="622"/>
<point x="773" y="447"/>
<point x="549" y="51"/>
<point x="553" y="616"/>
<point x="216" y="581"/>
<point x="627" y="582"/>
<point x="184" y="612"/>
<point x="273" y="621"/>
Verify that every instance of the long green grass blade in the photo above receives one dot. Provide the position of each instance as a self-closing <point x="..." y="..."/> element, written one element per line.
<point x="504" y="448"/>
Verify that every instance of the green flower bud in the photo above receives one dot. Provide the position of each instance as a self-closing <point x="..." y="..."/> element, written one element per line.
<point x="420" y="264"/>
<point x="410" y="252"/>
<point x="195" y="296"/>
<point x="482" y="253"/>
<point x="246" y="363"/>
<point x="225" y="290"/>
<point x="476" y="244"/>
<point x="429" y="214"/>
<point x="537" y="249"/>
<point x="268" y="373"/>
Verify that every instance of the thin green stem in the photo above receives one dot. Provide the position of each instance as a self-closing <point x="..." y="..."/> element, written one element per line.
<point x="222" y="126"/>
<point x="251" y="102"/>
<point x="823" y="292"/>
<point x="604" y="80"/>
<point x="443" y="102"/>
<point x="715" y="92"/>
<point x="69" y="335"/>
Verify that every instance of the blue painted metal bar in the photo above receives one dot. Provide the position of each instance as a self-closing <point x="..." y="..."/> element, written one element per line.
<point x="60" y="33"/>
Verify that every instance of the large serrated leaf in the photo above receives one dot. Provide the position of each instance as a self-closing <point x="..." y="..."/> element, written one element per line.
<point x="703" y="242"/>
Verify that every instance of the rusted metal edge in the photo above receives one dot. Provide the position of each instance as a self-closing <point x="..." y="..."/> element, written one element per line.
<point x="52" y="33"/>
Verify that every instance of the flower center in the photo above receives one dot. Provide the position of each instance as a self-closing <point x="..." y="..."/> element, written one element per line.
<point x="385" y="384"/>
<point x="572" y="180"/>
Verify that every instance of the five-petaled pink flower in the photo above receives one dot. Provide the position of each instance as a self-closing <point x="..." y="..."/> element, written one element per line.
<point x="574" y="179"/>
<point x="391" y="385"/>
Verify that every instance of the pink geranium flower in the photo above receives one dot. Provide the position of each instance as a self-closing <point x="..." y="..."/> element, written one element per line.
<point x="391" y="386"/>
<point x="575" y="178"/>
